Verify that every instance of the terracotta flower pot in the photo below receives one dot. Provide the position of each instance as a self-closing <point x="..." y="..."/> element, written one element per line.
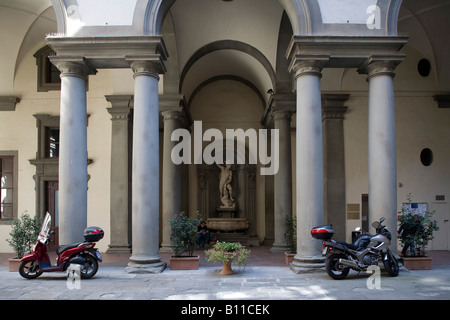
<point x="417" y="263"/>
<point x="184" y="263"/>
<point x="14" y="264"/>
<point x="289" y="257"/>
<point x="226" y="268"/>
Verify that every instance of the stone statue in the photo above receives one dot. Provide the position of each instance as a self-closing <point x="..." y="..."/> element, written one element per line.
<point x="225" y="188"/>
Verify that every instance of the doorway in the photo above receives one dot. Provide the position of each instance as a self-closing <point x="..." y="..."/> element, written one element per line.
<point x="365" y="212"/>
<point x="51" y="206"/>
<point x="441" y="237"/>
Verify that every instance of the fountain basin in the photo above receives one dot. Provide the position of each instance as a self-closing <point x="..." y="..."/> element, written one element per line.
<point x="227" y="224"/>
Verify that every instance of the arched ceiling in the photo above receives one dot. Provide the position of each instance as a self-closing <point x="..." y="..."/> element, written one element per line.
<point x="197" y="23"/>
<point x="428" y="24"/>
<point x="226" y="38"/>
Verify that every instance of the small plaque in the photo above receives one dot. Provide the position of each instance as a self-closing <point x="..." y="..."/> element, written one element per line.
<point x="353" y="211"/>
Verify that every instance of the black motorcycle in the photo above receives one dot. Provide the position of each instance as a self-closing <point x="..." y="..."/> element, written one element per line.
<point x="365" y="251"/>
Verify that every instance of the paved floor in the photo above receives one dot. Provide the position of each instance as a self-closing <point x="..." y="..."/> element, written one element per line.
<point x="265" y="277"/>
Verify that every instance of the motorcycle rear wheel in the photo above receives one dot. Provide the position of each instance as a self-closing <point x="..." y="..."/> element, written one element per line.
<point x="391" y="264"/>
<point x="334" y="269"/>
<point x="30" y="269"/>
<point x="90" y="268"/>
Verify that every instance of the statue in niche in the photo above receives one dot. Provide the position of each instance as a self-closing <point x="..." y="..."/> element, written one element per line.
<point x="225" y="188"/>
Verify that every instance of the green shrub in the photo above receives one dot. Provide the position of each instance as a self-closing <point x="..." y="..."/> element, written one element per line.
<point x="24" y="234"/>
<point x="228" y="251"/>
<point x="183" y="234"/>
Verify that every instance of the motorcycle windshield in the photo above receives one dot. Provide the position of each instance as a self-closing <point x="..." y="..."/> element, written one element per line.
<point x="45" y="230"/>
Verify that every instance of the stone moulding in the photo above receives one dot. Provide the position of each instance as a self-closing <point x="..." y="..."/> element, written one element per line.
<point x="110" y="52"/>
<point x="8" y="103"/>
<point x="343" y="51"/>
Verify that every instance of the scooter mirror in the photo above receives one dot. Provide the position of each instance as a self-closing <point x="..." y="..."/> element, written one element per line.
<point x="382" y="219"/>
<point x="375" y="224"/>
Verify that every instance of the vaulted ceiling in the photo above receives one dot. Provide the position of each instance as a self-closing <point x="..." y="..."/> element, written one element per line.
<point x="213" y="38"/>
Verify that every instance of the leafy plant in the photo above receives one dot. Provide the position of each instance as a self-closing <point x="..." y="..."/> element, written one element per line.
<point x="228" y="251"/>
<point x="417" y="229"/>
<point x="24" y="233"/>
<point x="291" y="233"/>
<point x="183" y="234"/>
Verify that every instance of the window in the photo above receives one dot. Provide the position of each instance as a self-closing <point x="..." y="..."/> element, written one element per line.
<point x="426" y="157"/>
<point x="52" y="142"/>
<point x="8" y="186"/>
<point x="48" y="75"/>
<point x="424" y="67"/>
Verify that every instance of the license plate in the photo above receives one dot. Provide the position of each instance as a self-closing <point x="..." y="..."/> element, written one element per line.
<point x="324" y="250"/>
<point x="99" y="256"/>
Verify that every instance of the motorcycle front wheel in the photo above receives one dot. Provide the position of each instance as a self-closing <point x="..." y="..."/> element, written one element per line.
<point x="334" y="269"/>
<point x="30" y="269"/>
<point x="391" y="264"/>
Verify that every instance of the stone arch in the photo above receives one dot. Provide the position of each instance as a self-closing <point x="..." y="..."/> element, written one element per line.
<point x="228" y="77"/>
<point x="228" y="45"/>
<point x="155" y="11"/>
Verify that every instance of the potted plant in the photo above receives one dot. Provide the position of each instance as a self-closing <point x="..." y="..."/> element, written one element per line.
<point x="183" y="234"/>
<point x="291" y="239"/>
<point x="416" y="231"/>
<point x="228" y="253"/>
<point x="23" y="234"/>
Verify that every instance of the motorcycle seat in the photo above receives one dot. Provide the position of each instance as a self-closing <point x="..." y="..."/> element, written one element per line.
<point x="348" y="245"/>
<point x="63" y="248"/>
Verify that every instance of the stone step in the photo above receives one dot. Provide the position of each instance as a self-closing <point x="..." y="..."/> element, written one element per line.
<point x="244" y="239"/>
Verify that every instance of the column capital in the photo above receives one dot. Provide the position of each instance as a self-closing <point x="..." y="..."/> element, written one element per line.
<point x="303" y="64"/>
<point x="151" y="65"/>
<point x="381" y="65"/>
<point x="121" y="106"/>
<point x="443" y="100"/>
<point x="174" y="105"/>
<point x="172" y="115"/>
<point x="282" y="114"/>
<point x="8" y="103"/>
<point x="333" y="106"/>
<point x="76" y="66"/>
<point x="280" y="105"/>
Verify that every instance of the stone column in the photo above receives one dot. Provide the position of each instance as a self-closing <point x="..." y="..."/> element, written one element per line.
<point x="171" y="184"/>
<point x="145" y="173"/>
<point x="333" y="112"/>
<point x="309" y="162"/>
<point x="73" y="147"/>
<point x="283" y="179"/>
<point x="120" y="187"/>
<point x="382" y="143"/>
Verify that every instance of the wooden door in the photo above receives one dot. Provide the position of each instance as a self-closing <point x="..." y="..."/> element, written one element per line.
<point x="441" y="239"/>
<point x="52" y="208"/>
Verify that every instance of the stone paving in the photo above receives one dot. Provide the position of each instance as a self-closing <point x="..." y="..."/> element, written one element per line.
<point x="250" y="283"/>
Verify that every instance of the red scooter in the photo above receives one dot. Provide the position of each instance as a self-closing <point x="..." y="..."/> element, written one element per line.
<point x="82" y="253"/>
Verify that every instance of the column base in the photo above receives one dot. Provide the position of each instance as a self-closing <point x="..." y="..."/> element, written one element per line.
<point x="118" y="249"/>
<point x="308" y="264"/>
<point x="145" y="265"/>
<point x="280" y="248"/>
<point x="165" y="248"/>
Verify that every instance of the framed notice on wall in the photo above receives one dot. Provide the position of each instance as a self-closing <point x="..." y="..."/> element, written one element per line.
<point x="415" y="208"/>
<point x="353" y="211"/>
